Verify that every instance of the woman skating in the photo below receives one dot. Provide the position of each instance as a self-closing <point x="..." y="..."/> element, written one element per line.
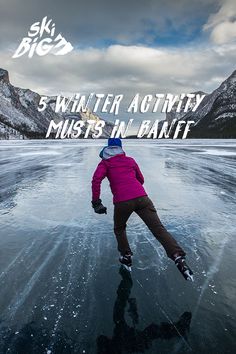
<point x="129" y="195"/>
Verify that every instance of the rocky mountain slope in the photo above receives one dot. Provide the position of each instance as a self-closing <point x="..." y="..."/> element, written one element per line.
<point x="216" y="115"/>
<point x="19" y="115"/>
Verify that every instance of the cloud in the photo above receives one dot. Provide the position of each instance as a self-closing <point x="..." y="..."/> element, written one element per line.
<point x="225" y="32"/>
<point x="124" y="69"/>
<point x="222" y="24"/>
<point x="93" y="23"/>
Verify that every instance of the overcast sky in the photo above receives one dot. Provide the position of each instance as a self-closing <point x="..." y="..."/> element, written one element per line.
<point x="125" y="46"/>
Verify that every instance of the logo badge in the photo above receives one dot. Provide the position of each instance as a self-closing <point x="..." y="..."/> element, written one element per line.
<point x="42" y="40"/>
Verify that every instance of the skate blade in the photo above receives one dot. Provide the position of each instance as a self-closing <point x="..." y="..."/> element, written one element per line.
<point x="127" y="267"/>
<point x="188" y="275"/>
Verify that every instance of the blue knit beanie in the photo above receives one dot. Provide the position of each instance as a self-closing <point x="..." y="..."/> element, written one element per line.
<point x="114" y="142"/>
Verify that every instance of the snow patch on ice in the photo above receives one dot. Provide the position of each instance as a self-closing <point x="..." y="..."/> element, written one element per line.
<point x="216" y="152"/>
<point x="33" y="153"/>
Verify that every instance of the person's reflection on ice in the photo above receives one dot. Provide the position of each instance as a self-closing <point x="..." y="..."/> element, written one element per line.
<point x="128" y="339"/>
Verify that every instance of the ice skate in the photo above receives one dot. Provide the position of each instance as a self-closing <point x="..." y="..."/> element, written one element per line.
<point x="126" y="261"/>
<point x="184" y="268"/>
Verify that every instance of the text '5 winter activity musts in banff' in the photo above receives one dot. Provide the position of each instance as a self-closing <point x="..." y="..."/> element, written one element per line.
<point x="73" y="127"/>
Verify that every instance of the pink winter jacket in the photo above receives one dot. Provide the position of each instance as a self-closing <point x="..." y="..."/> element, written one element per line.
<point x="124" y="175"/>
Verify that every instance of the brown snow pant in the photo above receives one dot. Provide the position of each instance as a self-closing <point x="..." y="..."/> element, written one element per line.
<point x="145" y="209"/>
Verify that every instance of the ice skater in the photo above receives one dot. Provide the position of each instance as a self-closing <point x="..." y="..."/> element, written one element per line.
<point x="129" y="195"/>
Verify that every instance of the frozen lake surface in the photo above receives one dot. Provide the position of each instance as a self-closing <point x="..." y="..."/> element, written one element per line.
<point x="61" y="290"/>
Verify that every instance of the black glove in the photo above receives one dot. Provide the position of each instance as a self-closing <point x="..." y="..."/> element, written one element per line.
<point x="98" y="207"/>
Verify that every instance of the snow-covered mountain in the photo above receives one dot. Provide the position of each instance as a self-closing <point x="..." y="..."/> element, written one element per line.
<point x="179" y="115"/>
<point x="216" y="115"/>
<point x="19" y="115"/>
